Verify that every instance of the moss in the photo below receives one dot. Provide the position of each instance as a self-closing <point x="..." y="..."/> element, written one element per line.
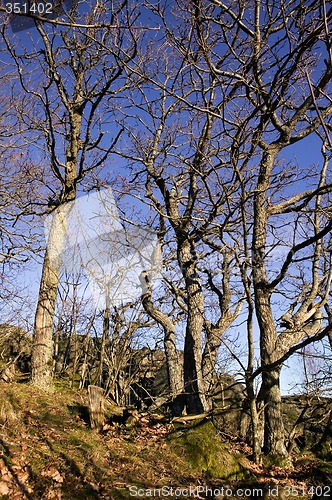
<point x="119" y="494"/>
<point x="73" y="491"/>
<point x="79" y="443"/>
<point x="277" y="460"/>
<point x="324" y="450"/>
<point x="326" y="467"/>
<point x="207" y="452"/>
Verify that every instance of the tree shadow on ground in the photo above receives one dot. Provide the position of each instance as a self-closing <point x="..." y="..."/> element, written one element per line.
<point x="7" y="456"/>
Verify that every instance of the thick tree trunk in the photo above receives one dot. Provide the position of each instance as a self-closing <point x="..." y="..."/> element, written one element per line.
<point x="274" y="434"/>
<point x="194" y="387"/>
<point x="174" y="371"/>
<point x="209" y="358"/>
<point x="42" y="353"/>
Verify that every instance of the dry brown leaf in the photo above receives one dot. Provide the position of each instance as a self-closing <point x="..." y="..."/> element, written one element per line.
<point x="4" y="489"/>
<point x="53" y="473"/>
<point x="6" y="476"/>
<point x="18" y="496"/>
<point x="54" y="495"/>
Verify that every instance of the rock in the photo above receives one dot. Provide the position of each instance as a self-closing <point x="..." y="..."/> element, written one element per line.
<point x="307" y="421"/>
<point x="207" y="452"/>
<point x="229" y="394"/>
<point x="15" y="344"/>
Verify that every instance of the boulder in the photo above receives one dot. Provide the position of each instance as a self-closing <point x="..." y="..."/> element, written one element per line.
<point x="308" y="424"/>
<point x="15" y="346"/>
<point x="203" y="447"/>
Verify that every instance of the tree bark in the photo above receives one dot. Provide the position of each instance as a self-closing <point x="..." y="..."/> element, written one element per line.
<point x="274" y="433"/>
<point x="171" y="352"/>
<point x="42" y="352"/>
<point x="194" y="387"/>
<point x="42" y="356"/>
<point x="86" y="343"/>
<point x="104" y="340"/>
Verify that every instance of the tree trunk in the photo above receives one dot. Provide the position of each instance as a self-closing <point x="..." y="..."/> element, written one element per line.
<point x="171" y="352"/>
<point x="212" y="345"/>
<point x="257" y="428"/>
<point x="42" y="352"/>
<point x="209" y="358"/>
<point x="86" y="343"/>
<point x="73" y="339"/>
<point x="193" y="382"/>
<point x="214" y="333"/>
<point x="274" y="434"/>
<point x="104" y="339"/>
<point x="193" y="376"/>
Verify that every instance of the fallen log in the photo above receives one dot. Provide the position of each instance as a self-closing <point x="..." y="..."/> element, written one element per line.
<point x="200" y="416"/>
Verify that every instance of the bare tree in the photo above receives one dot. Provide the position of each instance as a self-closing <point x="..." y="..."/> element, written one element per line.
<point x="256" y="80"/>
<point x="179" y="157"/>
<point x="67" y="77"/>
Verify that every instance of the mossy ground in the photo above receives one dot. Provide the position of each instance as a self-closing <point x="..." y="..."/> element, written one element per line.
<point x="46" y="437"/>
<point x="207" y="452"/>
<point x="47" y="450"/>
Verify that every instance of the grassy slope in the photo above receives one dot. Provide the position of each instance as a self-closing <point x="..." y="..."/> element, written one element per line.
<point x="48" y="451"/>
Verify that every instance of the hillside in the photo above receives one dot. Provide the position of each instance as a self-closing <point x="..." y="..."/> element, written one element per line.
<point x="48" y="451"/>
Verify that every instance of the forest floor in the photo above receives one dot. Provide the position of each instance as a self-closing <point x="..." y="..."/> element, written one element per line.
<point x="48" y="451"/>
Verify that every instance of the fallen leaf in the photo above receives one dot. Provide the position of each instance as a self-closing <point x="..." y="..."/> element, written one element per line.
<point x="54" y="474"/>
<point x="4" y="490"/>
